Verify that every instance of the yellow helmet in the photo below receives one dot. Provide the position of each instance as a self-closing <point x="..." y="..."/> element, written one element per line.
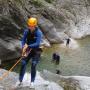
<point x="32" y="21"/>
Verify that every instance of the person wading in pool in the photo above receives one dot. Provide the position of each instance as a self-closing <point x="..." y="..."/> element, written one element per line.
<point x="56" y="60"/>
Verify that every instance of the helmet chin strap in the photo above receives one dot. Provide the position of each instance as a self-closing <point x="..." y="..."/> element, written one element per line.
<point x="32" y="31"/>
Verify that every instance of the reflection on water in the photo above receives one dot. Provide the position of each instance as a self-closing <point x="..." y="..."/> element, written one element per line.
<point x="73" y="62"/>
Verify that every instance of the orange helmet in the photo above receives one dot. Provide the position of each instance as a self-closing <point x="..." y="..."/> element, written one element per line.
<point x="32" y="21"/>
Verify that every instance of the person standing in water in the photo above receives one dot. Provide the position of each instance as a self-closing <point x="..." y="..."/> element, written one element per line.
<point x="56" y="60"/>
<point x="68" y="41"/>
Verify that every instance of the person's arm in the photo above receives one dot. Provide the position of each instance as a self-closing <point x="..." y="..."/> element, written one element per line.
<point x="38" y="40"/>
<point x="24" y="38"/>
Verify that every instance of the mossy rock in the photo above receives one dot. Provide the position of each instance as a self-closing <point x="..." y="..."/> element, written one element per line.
<point x="37" y="2"/>
<point x="70" y="84"/>
<point x="49" y="1"/>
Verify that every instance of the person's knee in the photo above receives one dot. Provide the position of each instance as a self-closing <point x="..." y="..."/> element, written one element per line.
<point x="35" y="60"/>
<point x="34" y="63"/>
<point x="23" y="62"/>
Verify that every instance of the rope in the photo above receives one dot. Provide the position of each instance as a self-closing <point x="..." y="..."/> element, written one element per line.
<point x="7" y="72"/>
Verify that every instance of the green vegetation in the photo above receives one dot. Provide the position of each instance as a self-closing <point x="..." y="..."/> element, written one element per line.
<point x="41" y="2"/>
<point x="70" y="84"/>
<point x="49" y="1"/>
<point x="37" y="2"/>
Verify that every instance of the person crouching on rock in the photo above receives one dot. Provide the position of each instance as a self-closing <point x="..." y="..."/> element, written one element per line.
<point x="30" y="49"/>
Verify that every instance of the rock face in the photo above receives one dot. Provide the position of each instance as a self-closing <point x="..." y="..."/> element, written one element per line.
<point x="49" y="30"/>
<point x="9" y="49"/>
<point x="45" y="81"/>
<point x="68" y="82"/>
<point x="11" y="82"/>
<point x="70" y="17"/>
<point x="10" y="29"/>
<point x="7" y="82"/>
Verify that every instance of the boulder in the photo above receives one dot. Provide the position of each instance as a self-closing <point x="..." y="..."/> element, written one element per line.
<point x="11" y="82"/>
<point x="9" y="49"/>
<point x="49" y="30"/>
<point x="45" y="81"/>
<point x="7" y="82"/>
<point x="68" y="82"/>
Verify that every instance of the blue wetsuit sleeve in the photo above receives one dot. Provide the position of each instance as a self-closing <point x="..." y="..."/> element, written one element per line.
<point x="24" y="38"/>
<point x="38" y="40"/>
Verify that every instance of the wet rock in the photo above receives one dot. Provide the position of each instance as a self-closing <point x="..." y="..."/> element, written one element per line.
<point x="45" y="81"/>
<point x="7" y="82"/>
<point x="11" y="82"/>
<point x="68" y="82"/>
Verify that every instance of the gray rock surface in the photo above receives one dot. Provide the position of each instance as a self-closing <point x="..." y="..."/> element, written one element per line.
<point x="7" y="82"/>
<point x="9" y="49"/>
<point x="10" y="82"/>
<point x="68" y="82"/>
<point x="69" y="16"/>
<point x="49" y="30"/>
<point x="45" y="81"/>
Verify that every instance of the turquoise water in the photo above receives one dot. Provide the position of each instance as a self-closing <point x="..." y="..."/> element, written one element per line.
<point x="73" y="62"/>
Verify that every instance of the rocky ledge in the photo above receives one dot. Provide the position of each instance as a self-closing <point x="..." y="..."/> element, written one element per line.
<point x="45" y="81"/>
